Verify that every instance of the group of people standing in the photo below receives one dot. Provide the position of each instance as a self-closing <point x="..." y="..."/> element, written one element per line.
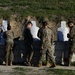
<point x="46" y="36"/>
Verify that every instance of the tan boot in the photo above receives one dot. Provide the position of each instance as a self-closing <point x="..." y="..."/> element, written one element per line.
<point x="48" y="64"/>
<point x="69" y="64"/>
<point x="53" y="65"/>
<point x="40" y="65"/>
<point x="6" y="63"/>
<point x="10" y="63"/>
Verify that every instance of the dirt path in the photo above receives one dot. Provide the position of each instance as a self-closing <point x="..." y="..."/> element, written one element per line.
<point x="24" y="70"/>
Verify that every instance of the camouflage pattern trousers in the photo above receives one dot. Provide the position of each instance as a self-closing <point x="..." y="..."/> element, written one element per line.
<point x="49" y="55"/>
<point x="71" y="50"/>
<point x="9" y="52"/>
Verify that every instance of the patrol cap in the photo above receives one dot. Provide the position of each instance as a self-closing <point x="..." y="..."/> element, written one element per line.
<point x="70" y="22"/>
<point x="45" y="23"/>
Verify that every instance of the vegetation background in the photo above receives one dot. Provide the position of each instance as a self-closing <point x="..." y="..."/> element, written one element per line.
<point x="52" y="9"/>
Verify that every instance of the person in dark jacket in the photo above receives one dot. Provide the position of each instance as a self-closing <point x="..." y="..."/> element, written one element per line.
<point x="28" y="43"/>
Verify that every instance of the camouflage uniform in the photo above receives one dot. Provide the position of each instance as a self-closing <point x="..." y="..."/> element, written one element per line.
<point x="46" y="36"/>
<point x="72" y="42"/>
<point x="28" y="43"/>
<point x="9" y="36"/>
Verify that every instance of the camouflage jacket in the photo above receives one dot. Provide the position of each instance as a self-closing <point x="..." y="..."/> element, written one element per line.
<point x="72" y="38"/>
<point x="46" y="35"/>
<point x="9" y="36"/>
<point x="72" y="33"/>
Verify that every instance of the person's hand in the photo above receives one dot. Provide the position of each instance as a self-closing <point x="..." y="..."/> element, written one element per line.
<point x="42" y="47"/>
<point x="68" y="35"/>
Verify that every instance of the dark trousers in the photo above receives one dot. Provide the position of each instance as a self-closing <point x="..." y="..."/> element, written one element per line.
<point x="29" y="53"/>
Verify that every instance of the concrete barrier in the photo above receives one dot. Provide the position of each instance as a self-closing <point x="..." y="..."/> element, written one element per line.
<point x="60" y="51"/>
<point x="20" y="50"/>
<point x="2" y="53"/>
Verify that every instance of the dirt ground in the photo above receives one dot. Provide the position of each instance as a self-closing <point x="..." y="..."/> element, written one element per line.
<point x="25" y="70"/>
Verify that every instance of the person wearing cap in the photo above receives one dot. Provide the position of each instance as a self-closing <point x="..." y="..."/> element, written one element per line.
<point x="9" y="36"/>
<point x="28" y="44"/>
<point x="71" y="37"/>
<point x="46" y="36"/>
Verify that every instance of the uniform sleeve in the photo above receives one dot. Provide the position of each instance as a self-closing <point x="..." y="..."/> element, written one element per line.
<point x="13" y="34"/>
<point x="25" y="33"/>
<point x="52" y="37"/>
<point x="39" y="33"/>
<point x="72" y="34"/>
<point x="30" y="36"/>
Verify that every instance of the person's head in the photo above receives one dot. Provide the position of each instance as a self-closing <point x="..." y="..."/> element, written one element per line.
<point x="29" y="25"/>
<point x="70" y="24"/>
<point x="45" y="23"/>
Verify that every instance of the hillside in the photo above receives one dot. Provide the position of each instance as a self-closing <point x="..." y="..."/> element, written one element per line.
<point x="38" y="8"/>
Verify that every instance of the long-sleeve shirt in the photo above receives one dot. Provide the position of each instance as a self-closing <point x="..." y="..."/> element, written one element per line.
<point x="28" y="36"/>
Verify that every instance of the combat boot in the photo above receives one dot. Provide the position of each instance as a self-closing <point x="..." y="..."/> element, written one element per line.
<point x="69" y="65"/>
<point x="40" y="64"/>
<point x="48" y="64"/>
<point x="69" y="62"/>
<point x="53" y="65"/>
<point x="6" y="63"/>
<point x="10" y="63"/>
<point x="29" y="64"/>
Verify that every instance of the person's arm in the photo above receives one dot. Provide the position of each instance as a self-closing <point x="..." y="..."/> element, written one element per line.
<point x="39" y="33"/>
<point x="72" y="34"/>
<point x="24" y="33"/>
<point x="52" y="37"/>
<point x="4" y="35"/>
<point x="28" y="36"/>
<point x="13" y="34"/>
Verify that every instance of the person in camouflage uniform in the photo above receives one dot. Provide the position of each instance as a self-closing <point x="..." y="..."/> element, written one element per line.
<point x="28" y="44"/>
<point x="9" y="36"/>
<point x="71" y="37"/>
<point x="46" y="36"/>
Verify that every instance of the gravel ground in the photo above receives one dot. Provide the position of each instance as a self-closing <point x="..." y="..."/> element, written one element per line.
<point x="25" y="70"/>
